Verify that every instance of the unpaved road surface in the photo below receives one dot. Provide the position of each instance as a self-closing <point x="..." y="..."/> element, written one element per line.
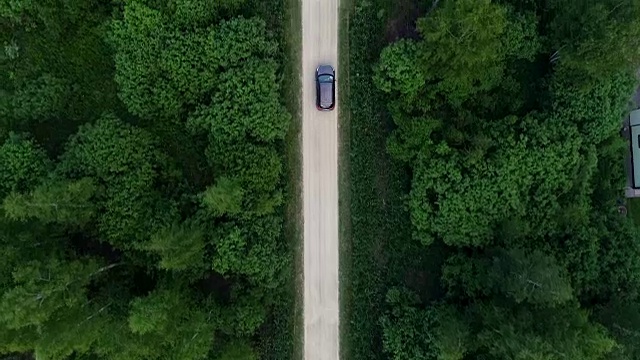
<point x="320" y="185"/>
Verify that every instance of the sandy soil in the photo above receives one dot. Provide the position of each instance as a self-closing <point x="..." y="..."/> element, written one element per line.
<point x="320" y="185"/>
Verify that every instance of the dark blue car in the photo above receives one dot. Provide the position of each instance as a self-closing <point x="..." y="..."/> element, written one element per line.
<point x="325" y="87"/>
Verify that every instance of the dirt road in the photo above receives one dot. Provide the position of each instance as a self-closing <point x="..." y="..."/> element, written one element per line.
<point x="320" y="185"/>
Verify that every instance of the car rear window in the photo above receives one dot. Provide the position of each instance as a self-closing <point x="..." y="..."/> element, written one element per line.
<point x="325" y="78"/>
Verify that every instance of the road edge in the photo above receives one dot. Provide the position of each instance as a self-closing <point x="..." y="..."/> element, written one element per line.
<point x="294" y="219"/>
<point x="344" y="194"/>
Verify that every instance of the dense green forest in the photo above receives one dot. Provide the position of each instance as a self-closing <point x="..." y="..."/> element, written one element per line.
<point x="507" y="116"/>
<point x="141" y="179"/>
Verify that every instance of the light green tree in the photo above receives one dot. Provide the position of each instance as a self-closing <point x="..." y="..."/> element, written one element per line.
<point x="225" y="197"/>
<point x="64" y="202"/>
<point x="180" y="246"/>
<point x="174" y="322"/>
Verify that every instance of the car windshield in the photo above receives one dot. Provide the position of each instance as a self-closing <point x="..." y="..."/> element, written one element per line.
<point x="325" y="78"/>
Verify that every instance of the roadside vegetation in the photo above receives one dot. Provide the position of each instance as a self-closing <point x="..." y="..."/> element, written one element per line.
<point x="143" y="180"/>
<point x="378" y="255"/>
<point x="505" y="123"/>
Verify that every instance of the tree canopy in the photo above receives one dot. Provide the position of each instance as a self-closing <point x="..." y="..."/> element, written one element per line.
<point x="141" y="170"/>
<point x="507" y="115"/>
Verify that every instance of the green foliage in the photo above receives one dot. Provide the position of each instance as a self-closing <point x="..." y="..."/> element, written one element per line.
<point x="202" y="12"/>
<point x="22" y="164"/>
<point x="246" y="104"/>
<point x="134" y="41"/>
<point x="246" y="315"/>
<point x="507" y="114"/>
<point x="152" y="313"/>
<point x="462" y="51"/>
<point x="617" y="270"/>
<point x="513" y="332"/>
<point x="410" y="332"/>
<point x="595" y="39"/>
<point x="161" y="69"/>
<point x="14" y="9"/>
<point x="257" y="168"/>
<point x="231" y="249"/>
<point x="537" y="334"/>
<point x="127" y="161"/>
<point x="462" y="47"/>
<point x="180" y="329"/>
<point x="67" y="203"/>
<point x="252" y="249"/>
<point x="405" y="327"/>
<point x="375" y="188"/>
<point x="397" y="72"/>
<point x="74" y="333"/>
<point x="225" y="197"/>
<point x="237" y="351"/>
<point x="180" y="247"/>
<point x="469" y="202"/>
<point x="534" y="277"/>
<point x="452" y="335"/>
<point x="154" y="184"/>
<point x="622" y="318"/>
<point x="597" y="109"/>
<point x="39" y="99"/>
<point x="55" y="67"/>
<point x="521" y="37"/>
<point x="242" y="39"/>
<point x="112" y="151"/>
<point x="41" y="291"/>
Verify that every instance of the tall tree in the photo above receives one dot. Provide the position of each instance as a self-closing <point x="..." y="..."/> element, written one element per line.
<point x="622" y="318"/>
<point x="181" y="329"/>
<point x="126" y="161"/>
<point x="525" y="277"/>
<point x="407" y="329"/>
<point x="595" y="39"/>
<point x="23" y="164"/>
<point x="237" y="351"/>
<point x="526" y="333"/>
<point x="68" y="202"/>
<point x="180" y="246"/>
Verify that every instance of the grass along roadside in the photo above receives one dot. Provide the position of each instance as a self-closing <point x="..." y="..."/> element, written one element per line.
<point x="282" y="335"/>
<point x="344" y="176"/>
<point x="633" y="210"/>
<point x="371" y="186"/>
<point x="377" y="250"/>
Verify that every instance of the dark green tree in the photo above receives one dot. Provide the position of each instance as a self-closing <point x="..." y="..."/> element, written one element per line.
<point x="407" y="331"/>
<point x="526" y="333"/>
<point x="622" y="319"/>
<point x="237" y="351"/>
<point x="594" y="39"/>
<point x="23" y="164"/>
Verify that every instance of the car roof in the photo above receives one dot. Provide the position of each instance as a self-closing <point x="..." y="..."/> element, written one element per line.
<point x="326" y="95"/>
<point x="325" y="70"/>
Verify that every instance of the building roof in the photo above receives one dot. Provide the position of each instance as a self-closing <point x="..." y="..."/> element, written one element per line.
<point x="634" y="124"/>
<point x="634" y="118"/>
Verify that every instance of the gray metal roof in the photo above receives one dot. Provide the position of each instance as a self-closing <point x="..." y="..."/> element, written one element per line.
<point x="634" y="118"/>
<point x="635" y="147"/>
